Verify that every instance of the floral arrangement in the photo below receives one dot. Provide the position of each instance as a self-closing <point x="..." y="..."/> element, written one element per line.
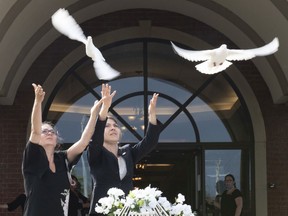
<point x="146" y="201"/>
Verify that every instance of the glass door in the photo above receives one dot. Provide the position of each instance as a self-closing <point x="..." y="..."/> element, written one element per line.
<point x="219" y="163"/>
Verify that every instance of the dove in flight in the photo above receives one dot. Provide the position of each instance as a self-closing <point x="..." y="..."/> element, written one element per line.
<point x="66" y="25"/>
<point x="217" y="60"/>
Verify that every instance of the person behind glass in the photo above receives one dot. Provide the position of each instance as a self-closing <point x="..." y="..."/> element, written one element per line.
<point x="231" y="201"/>
<point x="14" y="204"/>
<point x="111" y="165"/>
<point x="220" y="188"/>
<point x="78" y="203"/>
<point x="45" y="170"/>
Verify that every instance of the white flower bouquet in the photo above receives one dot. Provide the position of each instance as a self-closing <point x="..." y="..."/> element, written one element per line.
<point x="141" y="202"/>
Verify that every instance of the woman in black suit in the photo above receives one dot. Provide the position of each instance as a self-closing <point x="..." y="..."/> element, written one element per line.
<point x="111" y="165"/>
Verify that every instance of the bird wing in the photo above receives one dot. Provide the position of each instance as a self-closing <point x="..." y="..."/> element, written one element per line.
<point x="103" y="70"/>
<point x="192" y="55"/>
<point x="66" y="24"/>
<point x="238" y="54"/>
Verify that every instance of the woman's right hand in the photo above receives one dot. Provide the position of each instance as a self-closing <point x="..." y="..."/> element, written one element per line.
<point x="96" y="107"/>
<point x="39" y="93"/>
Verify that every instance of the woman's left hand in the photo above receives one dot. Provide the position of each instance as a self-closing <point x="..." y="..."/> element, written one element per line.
<point x="106" y="99"/>
<point x="152" y="109"/>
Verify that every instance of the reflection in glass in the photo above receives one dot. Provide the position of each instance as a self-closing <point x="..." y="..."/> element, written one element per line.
<point x="210" y="126"/>
<point x="219" y="163"/>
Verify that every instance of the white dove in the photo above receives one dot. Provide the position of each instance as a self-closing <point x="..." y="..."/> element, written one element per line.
<point x="217" y="60"/>
<point x="66" y="25"/>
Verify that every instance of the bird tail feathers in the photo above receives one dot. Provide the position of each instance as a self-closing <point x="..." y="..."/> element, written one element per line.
<point x="207" y="67"/>
<point x="104" y="71"/>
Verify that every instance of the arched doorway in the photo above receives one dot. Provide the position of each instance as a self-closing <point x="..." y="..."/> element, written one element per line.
<point x="202" y="115"/>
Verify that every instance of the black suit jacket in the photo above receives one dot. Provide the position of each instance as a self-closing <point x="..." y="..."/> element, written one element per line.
<point x="103" y="164"/>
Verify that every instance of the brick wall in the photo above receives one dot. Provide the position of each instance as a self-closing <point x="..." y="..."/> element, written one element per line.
<point x="13" y="133"/>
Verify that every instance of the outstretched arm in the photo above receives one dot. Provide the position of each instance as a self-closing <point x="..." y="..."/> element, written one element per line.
<point x="98" y="136"/>
<point x="104" y="103"/>
<point x="78" y="147"/>
<point x="150" y="140"/>
<point x="36" y="115"/>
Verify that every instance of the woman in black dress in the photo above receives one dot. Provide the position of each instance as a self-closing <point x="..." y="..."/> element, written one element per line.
<point x="231" y="202"/>
<point x="46" y="171"/>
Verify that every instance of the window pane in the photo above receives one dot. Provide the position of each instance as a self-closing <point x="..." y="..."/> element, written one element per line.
<point x="210" y="126"/>
<point x="170" y="89"/>
<point x="219" y="163"/>
<point x="126" y="86"/>
<point x="226" y="117"/>
<point x="70" y="109"/>
<point x="179" y="130"/>
<point x="132" y="111"/>
<point x="126" y="58"/>
<point x="82" y="172"/>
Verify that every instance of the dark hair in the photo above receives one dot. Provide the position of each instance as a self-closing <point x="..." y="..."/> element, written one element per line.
<point x="112" y="118"/>
<point x="231" y="176"/>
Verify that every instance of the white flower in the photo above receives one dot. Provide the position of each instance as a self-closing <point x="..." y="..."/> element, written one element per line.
<point x="187" y="210"/>
<point x="180" y="198"/>
<point x="181" y="209"/>
<point x="176" y="209"/>
<point x="164" y="203"/>
<point x="106" y="202"/>
<point x="116" y="192"/>
<point x="99" y="209"/>
<point x="152" y="191"/>
<point x="141" y="201"/>
<point x="129" y="201"/>
<point x="111" y="203"/>
<point x="152" y="202"/>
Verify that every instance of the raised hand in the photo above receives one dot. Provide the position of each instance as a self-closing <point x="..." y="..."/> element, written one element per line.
<point x="106" y="99"/>
<point x="152" y="109"/>
<point x="39" y="93"/>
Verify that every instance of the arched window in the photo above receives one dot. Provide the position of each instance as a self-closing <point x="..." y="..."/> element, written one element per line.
<point x="205" y="119"/>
